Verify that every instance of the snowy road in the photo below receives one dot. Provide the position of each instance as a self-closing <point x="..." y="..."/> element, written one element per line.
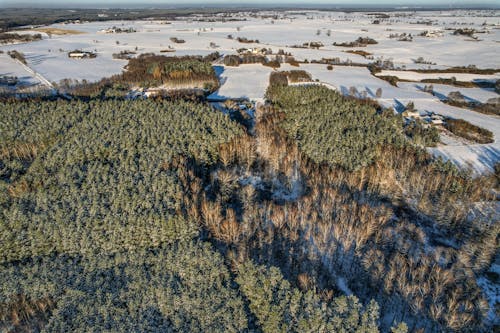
<point x="38" y="76"/>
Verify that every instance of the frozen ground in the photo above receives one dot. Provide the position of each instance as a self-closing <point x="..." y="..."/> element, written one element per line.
<point x="481" y="158"/>
<point x="492" y="291"/>
<point x="251" y="81"/>
<point x="10" y="67"/>
<point x="246" y="81"/>
<point x="442" y="90"/>
<point x="415" y="76"/>
<point x="282" y="30"/>
<point x="286" y="29"/>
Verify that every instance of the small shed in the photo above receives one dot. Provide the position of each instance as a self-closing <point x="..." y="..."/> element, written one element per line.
<point x="81" y="54"/>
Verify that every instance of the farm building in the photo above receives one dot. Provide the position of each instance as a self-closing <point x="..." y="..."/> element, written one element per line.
<point x="81" y="54"/>
<point x="433" y="33"/>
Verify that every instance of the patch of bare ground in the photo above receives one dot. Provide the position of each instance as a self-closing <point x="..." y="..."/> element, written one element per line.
<point x="59" y="31"/>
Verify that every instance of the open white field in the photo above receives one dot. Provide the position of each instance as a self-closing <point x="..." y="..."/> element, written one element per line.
<point x="285" y="29"/>
<point x="345" y="77"/>
<point x="246" y="81"/>
<point x="442" y="90"/>
<point x="11" y="67"/>
<point x="415" y="76"/>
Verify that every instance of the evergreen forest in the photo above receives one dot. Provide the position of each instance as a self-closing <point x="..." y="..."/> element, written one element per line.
<point x="319" y="214"/>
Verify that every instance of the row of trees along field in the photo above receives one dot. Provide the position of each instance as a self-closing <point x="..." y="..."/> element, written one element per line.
<point x="153" y="70"/>
<point x="150" y="71"/>
<point x="104" y="226"/>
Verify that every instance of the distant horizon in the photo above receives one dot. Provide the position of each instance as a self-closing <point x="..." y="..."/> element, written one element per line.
<point x="363" y="4"/>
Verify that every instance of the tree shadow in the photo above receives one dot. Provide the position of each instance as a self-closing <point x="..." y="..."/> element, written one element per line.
<point x="490" y="156"/>
<point x="488" y="85"/>
<point x="370" y="92"/>
<point x="398" y="106"/>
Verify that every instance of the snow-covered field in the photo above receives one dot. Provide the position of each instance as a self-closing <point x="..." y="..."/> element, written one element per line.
<point x="10" y="67"/>
<point x="49" y="56"/>
<point x="442" y="90"/>
<point x="246" y="81"/>
<point x="480" y="158"/>
<point x="282" y="30"/>
<point x="415" y="76"/>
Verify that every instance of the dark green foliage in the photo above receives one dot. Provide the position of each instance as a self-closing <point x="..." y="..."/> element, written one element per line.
<point x="16" y="17"/>
<point x="108" y="88"/>
<point x="27" y="129"/>
<point x="471" y="69"/>
<point x="104" y="185"/>
<point x="246" y="40"/>
<point x="90" y="196"/>
<point x="106" y="207"/>
<point x="421" y="201"/>
<point x="466" y="84"/>
<point x="427" y="136"/>
<point x="393" y="80"/>
<point x="490" y="107"/>
<point x="97" y="229"/>
<point x="183" y="287"/>
<point x="152" y="70"/>
<point x="279" y="307"/>
<point x="332" y="129"/>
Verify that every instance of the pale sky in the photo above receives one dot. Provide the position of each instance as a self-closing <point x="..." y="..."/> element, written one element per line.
<point x="232" y="3"/>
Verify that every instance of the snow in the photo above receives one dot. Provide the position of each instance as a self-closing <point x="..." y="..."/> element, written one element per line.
<point x="249" y="179"/>
<point x="10" y="67"/>
<point x="342" y="285"/>
<point x="480" y="158"/>
<point x="282" y="30"/>
<point x="442" y="90"/>
<point x="492" y="292"/>
<point x="251" y="81"/>
<point x="416" y="76"/>
<point x="288" y="29"/>
<point x="344" y="77"/>
<point x="243" y="82"/>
